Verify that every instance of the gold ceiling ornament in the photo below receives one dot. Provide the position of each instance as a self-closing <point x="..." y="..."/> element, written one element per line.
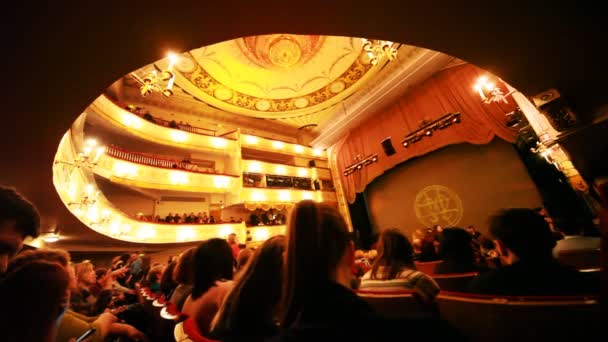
<point x="377" y="49"/>
<point x="161" y="82"/>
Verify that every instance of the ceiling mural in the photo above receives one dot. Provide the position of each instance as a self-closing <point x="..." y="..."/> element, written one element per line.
<point x="274" y="76"/>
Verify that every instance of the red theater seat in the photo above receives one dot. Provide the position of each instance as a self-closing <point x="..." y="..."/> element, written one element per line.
<point x="187" y="331"/>
<point x="399" y="303"/>
<point x="522" y="318"/>
<point x="458" y="282"/>
<point x="427" y="267"/>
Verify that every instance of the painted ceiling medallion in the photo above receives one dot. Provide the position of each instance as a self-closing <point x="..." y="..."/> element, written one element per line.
<point x="275" y="76"/>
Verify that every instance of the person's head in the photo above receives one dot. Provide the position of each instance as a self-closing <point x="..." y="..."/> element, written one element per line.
<point x="58" y="256"/>
<point x="521" y="234"/>
<point x="18" y="220"/>
<point x="85" y="274"/>
<point x="471" y="230"/>
<point x="166" y="281"/>
<point x="184" y="270"/>
<point x="36" y="294"/>
<point x="232" y="238"/>
<point x="243" y="257"/>
<point x="257" y="290"/>
<point x="319" y="251"/>
<point x="212" y="262"/>
<point x="455" y="246"/>
<point x="154" y="274"/>
<point x="395" y="252"/>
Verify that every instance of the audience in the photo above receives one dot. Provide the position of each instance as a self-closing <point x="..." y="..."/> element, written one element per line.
<point x="394" y="268"/>
<point x="233" y="245"/>
<point x="456" y="251"/>
<point x="242" y="258"/>
<point x="167" y="284"/>
<point x="90" y="297"/>
<point x="18" y="220"/>
<point x="184" y="276"/>
<point x="525" y="243"/>
<point x="213" y="263"/>
<point x="249" y="311"/>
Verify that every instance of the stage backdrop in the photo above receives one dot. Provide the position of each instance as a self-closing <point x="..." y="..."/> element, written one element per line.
<point x="458" y="185"/>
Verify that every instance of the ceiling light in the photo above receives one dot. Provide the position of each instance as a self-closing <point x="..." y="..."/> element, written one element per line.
<point x="161" y="82"/>
<point x="50" y="237"/>
<point x="251" y="140"/>
<point x="278" y="145"/>
<point x="360" y="163"/>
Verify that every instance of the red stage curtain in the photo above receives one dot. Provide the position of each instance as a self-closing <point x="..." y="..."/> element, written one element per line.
<point x="448" y="91"/>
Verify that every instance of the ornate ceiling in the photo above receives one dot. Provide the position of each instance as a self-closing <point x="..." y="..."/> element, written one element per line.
<point x="280" y="76"/>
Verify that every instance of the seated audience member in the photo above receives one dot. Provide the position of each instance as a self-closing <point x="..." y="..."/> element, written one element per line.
<point x="158" y="219"/>
<point x="243" y="258"/>
<point x="87" y="299"/>
<point x="394" y="269"/>
<point x="213" y="264"/>
<point x="18" y="220"/>
<point x="169" y="218"/>
<point x="525" y="244"/>
<point x="177" y="218"/>
<point x="153" y="278"/>
<point x="233" y="245"/>
<point x="428" y="249"/>
<point x="573" y="241"/>
<point x="184" y="276"/>
<point x="34" y="301"/>
<point x="73" y="324"/>
<point x="249" y="311"/>
<point x="456" y="252"/>
<point x="167" y="284"/>
<point x="317" y="303"/>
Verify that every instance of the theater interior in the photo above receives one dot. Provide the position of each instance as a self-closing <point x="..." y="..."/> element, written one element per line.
<point x="145" y="134"/>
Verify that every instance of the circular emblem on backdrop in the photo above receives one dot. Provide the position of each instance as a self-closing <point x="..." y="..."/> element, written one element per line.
<point x="437" y="204"/>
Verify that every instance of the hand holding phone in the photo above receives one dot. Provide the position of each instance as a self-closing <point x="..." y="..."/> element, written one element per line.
<point x="86" y="335"/>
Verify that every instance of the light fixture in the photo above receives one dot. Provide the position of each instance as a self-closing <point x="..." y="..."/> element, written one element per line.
<point x="89" y="156"/>
<point x="251" y="140"/>
<point x="278" y="145"/>
<point x="377" y="49"/>
<point x="50" y="237"/>
<point x="161" y="82"/>
<point x="426" y="130"/>
<point x="489" y="92"/>
<point x="360" y="163"/>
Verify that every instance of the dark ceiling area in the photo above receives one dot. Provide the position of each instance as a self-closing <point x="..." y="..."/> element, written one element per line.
<point x="58" y="59"/>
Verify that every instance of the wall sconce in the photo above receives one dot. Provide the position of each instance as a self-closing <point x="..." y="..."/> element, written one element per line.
<point x="489" y="92"/>
<point x="427" y="129"/>
<point x="372" y="158"/>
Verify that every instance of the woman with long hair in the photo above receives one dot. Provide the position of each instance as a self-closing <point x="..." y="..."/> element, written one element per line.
<point x="90" y="298"/>
<point x="183" y="274"/>
<point x="249" y="310"/>
<point x="394" y="268"/>
<point x="212" y="281"/>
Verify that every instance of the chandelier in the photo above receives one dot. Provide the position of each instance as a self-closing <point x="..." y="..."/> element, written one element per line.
<point x="377" y="49"/>
<point x="89" y="156"/>
<point x="161" y="82"/>
<point x="489" y="92"/>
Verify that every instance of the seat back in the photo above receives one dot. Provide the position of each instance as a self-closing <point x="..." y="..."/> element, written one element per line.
<point x="395" y="304"/>
<point x="491" y="318"/>
<point x="427" y="267"/>
<point x="187" y="331"/>
<point x="458" y="282"/>
<point x="580" y="259"/>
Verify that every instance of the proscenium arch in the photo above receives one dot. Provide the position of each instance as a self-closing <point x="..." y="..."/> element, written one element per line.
<point x="58" y="59"/>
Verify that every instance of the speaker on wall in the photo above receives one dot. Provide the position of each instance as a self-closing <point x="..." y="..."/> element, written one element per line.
<point x="387" y="145"/>
<point x="311" y="163"/>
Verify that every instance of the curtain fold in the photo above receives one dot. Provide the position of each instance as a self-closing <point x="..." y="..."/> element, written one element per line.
<point x="448" y="91"/>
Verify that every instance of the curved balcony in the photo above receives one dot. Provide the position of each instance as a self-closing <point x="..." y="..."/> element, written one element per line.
<point x="260" y="167"/>
<point x="146" y="171"/>
<point x="275" y="146"/>
<point x="158" y="133"/>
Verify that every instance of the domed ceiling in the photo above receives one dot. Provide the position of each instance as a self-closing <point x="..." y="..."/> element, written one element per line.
<point x="277" y="76"/>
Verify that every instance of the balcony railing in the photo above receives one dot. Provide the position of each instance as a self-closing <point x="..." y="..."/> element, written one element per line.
<point x="151" y="160"/>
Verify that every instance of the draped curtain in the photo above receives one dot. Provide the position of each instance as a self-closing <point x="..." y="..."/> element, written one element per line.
<point x="448" y="91"/>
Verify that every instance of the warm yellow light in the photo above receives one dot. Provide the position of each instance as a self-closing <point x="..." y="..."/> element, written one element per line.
<point x="93" y="214"/>
<point x="255" y="167"/>
<point x="226" y="230"/>
<point x="307" y="195"/>
<point x="185" y="234"/>
<point x="261" y="234"/>
<point x="219" y="142"/>
<point x="146" y="232"/>
<point x="122" y="169"/>
<point x="89" y="189"/>
<point x="132" y="120"/>
<point x="317" y="153"/>
<point x="302" y="172"/>
<point x="278" y="145"/>
<point x="172" y="56"/>
<point x="258" y="196"/>
<point x="221" y="182"/>
<point x="280" y="170"/>
<point x="126" y="228"/>
<point x="178" y="177"/>
<point x="179" y="136"/>
<point x="298" y="148"/>
<point x="115" y="228"/>
<point x="251" y="140"/>
<point x="105" y="213"/>
<point x="91" y="142"/>
<point x="285" y="196"/>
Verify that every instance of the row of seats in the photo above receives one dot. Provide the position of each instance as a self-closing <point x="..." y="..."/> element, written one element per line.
<point x="479" y="317"/>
